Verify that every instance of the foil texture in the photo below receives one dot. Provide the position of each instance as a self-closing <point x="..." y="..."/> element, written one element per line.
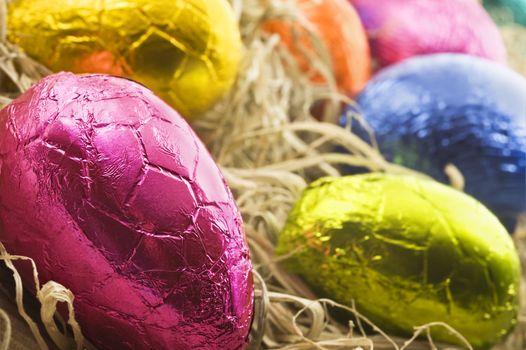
<point x="186" y="51"/>
<point x="112" y="194"/>
<point x="447" y="108"/>
<point x="399" y="29"/>
<point x="340" y="30"/>
<point x="408" y="251"/>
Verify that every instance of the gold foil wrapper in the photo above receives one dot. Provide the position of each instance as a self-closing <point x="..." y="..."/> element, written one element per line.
<point x="187" y="51"/>
<point x="408" y="252"/>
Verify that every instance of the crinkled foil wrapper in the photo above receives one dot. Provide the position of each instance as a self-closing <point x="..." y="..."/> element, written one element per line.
<point x="408" y="251"/>
<point x="400" y="29"/>
<point x="113" y="195"/>
<point x="434" y="110"/>
<point x="187" y="52"/>
<point x="340" y="30"/>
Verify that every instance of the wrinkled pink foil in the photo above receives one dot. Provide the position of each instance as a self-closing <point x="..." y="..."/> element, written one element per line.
<point x="399" y="29"/>
<point x="113" y="195"/>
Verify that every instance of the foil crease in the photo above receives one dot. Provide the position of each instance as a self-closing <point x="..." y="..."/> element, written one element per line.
<point x="186" y="51"/>
<point x="408" y="251"/>
<point x="113" y="195"/>
<point x="400" y="29"/>
<point x="434" y="110"/>
<point x="341" y="32"/>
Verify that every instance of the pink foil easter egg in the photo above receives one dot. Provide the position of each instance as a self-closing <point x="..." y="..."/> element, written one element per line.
<point x="399" y="29"/>
<point x="112" y="194"/>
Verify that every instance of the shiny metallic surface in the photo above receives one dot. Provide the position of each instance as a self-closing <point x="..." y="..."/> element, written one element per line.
<point x="408" y="251"/>
<point x="400" y="29"/>
<point x="339" y="28"/>
<point x="187" y="51"/>
<point x="112" y="194"/>
<point x="430" y="111"/>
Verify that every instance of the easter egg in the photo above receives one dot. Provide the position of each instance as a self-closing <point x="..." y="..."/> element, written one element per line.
<point x="512" y="9"/>
<point x="408" y="251"/>
<point x="186" y="51"/>
<point x="434" y="110"/>
<point x="399" y="29"/>
<point x="112" y="195"/>
<point x="338" y="26"/>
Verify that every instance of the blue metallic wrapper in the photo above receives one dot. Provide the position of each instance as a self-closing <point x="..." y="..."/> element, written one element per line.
<point x="450" y="108"/>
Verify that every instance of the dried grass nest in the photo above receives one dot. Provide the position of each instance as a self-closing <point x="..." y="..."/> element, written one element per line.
<point x="269" y="147"/>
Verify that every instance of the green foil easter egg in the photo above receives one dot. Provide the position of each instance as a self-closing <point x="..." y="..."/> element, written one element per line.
<point x="408" y="251"/>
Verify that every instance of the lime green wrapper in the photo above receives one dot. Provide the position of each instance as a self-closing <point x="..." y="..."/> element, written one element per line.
<point x="408" y="251"/>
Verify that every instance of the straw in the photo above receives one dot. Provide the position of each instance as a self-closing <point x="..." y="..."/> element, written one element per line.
<point x="269" y="147"/>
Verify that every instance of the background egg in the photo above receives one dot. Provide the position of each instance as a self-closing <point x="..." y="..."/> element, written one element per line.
<point x="512" y="9"/>
<point x="400" y="29"/>
<point x="408" y="251"/>
<point x="186" y="51"/>
<point x="339" y="27"/>
<point x="112" y="195"/>
<point x="430" y="111"/>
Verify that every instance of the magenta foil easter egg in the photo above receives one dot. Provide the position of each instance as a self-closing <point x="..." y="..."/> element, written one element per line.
<point x="112" y="194"/>
<point x="399" y="29"/>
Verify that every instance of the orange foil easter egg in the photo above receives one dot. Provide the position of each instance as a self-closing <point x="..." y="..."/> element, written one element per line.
<point x="338" y="26"/>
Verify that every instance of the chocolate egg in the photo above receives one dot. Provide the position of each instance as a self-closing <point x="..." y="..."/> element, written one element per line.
<point x="399" y="29"/>
<point x="187" y="51"/>
<point x="112" y="194"/>
<point x="408" y="251"/>
<point x="339" y="28"/>
<point x="438" y="109"/>
<point x="508" y="9"/>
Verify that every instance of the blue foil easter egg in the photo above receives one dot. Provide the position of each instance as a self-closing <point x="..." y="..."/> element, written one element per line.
<point x="433" y="110"/>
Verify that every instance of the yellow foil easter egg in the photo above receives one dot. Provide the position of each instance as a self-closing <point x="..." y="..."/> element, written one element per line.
<point x="408" y="252"/>
<point x="187" y="51"/>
